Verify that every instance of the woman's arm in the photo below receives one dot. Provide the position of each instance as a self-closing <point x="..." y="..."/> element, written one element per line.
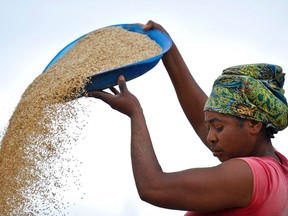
<point x="228" y="185"/>
<point x="190" y="95"/>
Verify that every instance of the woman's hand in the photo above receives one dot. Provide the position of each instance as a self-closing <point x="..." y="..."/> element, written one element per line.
<point x="153" y="25"/>
<point x="122" y="101"/>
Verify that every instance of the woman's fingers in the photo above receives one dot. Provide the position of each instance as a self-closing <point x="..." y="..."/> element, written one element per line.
<point x="122" y="84"/>
<point x="114" y="90"/>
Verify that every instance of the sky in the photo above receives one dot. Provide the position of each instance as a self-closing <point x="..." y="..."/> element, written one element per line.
<point x="211" y="36"/>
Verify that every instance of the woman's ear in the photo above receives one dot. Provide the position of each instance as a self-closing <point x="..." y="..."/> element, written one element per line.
<point x="255" y="126"/>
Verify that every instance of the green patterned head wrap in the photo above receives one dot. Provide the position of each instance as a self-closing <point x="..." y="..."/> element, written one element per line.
<point x="251" y="91"/>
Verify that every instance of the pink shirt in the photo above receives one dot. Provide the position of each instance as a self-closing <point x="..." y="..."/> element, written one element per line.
<point x="270" y="192"/>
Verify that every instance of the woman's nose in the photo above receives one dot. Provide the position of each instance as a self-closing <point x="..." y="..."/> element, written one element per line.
<point x="211" y="138"/>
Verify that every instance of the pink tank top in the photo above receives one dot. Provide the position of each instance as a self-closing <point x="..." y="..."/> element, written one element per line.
<point x="270" y="192"/>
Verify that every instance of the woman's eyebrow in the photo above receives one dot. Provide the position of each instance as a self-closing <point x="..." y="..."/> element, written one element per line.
<point x="212" y="120"/>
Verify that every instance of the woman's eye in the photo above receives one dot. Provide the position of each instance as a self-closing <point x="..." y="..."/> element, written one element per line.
<point x="219" y="129"/>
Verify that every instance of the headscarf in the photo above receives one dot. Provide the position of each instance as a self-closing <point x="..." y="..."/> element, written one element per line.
<point x="251" y="91"/>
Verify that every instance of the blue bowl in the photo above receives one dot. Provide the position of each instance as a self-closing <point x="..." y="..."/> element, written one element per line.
<point x="109" y="78"/>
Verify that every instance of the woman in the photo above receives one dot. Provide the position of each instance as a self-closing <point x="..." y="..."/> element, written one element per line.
<point x="246" y="107"/>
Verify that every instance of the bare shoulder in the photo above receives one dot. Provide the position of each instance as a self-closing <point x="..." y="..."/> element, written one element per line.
<point x="238" y="165"/>
<point x="225" y="186"/>
<point x="236" y="179"/>
<point x="234" y="172"/>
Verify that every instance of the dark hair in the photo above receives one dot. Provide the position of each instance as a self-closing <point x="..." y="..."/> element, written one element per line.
<point x="270" y="132"/>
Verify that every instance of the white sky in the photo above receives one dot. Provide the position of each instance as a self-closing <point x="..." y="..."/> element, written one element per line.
<point x="211" y="35"/>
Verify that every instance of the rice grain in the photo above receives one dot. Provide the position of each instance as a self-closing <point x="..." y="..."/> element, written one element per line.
<point x="37" y="140"/>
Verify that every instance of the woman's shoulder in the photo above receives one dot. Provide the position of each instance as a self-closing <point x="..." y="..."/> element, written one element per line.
<point x="282" y="158"/>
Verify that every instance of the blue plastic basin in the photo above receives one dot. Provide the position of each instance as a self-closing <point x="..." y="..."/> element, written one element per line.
<point x="109" y="78"/>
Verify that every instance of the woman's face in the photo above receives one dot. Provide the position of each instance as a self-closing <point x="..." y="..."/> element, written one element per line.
<point x="228" y="137"/>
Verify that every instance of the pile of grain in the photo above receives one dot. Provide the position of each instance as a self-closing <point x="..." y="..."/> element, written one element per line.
<point x="36" y="138"/>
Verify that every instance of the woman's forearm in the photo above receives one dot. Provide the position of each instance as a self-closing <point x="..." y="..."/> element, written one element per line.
<point x="191" y="97"/>
<point x="145" y="165"/>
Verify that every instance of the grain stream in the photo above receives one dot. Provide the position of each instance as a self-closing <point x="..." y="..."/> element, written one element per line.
<point x="38" y="137"/>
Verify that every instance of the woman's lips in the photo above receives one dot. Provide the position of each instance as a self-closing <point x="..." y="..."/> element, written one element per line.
<point x="216" y="152"/>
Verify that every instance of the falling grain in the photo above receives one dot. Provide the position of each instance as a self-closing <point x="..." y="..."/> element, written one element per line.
<point x="37" y="140"/>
